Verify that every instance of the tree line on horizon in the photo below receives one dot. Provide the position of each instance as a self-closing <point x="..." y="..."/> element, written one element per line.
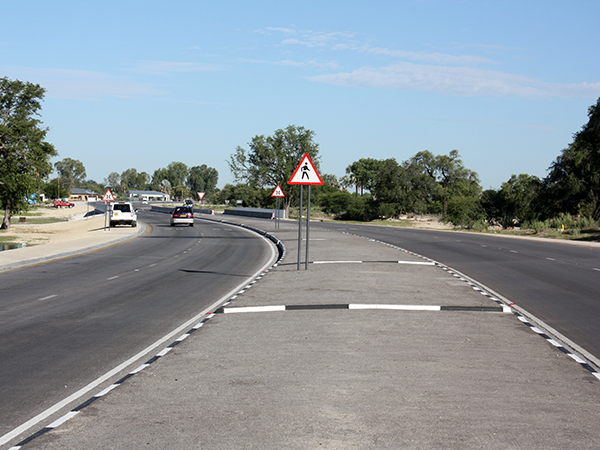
<point x="371" y="189"/>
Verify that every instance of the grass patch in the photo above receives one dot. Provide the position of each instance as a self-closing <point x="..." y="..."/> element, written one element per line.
<point x="41" y="220"/>
<point x="7" y="239"/>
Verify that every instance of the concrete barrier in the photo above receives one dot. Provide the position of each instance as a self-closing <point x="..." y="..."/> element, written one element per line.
<point x="252" y="212"/>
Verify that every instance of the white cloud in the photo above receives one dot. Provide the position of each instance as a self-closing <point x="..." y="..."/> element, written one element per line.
<point x="440" y="58"/>
<point x="168" y="67"/>
<point x="457" y="81"/>
<point x="80" y="84"/>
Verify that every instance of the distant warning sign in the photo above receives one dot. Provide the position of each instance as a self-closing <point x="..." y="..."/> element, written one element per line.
<point x="306" y="173"/>
<point x="278" y="192"/>
<point x="108" y="196"/>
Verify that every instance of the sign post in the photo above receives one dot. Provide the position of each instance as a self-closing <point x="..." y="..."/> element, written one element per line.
<point x="305" y="174"/>
<point x="107" y="197"/>
<point x="277" y="193"/>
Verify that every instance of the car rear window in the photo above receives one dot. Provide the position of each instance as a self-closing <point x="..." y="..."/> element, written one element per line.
<point x="181" y="210"/>
<point x="122" y="208"/>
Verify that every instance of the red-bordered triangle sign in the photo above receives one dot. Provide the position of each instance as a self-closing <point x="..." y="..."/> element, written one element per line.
<point x="278" y="192"/>
<point x="306" y="173"/>
<point x="108" y="196"/>
<point x="201" y="195"/>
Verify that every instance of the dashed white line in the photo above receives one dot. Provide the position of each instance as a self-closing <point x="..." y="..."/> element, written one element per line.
<point x="113" y="278"/>
<point x="48" y="297"/>
<point x="550" y="259"/>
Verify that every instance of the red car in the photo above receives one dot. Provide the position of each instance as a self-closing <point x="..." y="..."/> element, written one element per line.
<point x="63" y="204"/>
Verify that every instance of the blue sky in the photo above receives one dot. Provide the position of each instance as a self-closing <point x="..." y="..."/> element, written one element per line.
<point x="143" y="83"/>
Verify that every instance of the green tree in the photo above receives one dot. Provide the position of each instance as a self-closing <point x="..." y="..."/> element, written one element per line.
<point x="365" y="173"/>
<point x="51" y="189"/>
<point x="113" y="181"/>
<point x="519" y="196"/>
<point x="271" y="160"/>
<point x="177" y="173"/>
<point x="573" y="182"/>
<point x="71" y="172"/>
<point x="24" y="153"/>
<point x="132" y="179"/>
<point x="202" y="179"/>
<point x="451" y="177"/>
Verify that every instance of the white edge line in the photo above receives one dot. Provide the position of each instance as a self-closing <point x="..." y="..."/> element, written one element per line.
<point x="86" y="389"/>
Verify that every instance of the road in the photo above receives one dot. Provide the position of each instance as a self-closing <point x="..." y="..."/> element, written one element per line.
<point x="556" y="282"/>
<point x="63" y="324"/>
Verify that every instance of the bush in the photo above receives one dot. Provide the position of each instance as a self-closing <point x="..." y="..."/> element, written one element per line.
<point x="536" y="225"/>
<point x="464" y="211"/>
<point x="361" y="208"/>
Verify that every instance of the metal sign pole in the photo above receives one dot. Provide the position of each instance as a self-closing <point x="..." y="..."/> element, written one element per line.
<point x="105" y="215"/>
<point x="300" y="226"/>
<point x="307" y="229"/>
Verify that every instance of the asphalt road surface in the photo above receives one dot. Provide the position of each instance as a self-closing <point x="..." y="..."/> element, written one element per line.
<point x="558" y="283"/>
<point x="64" y="323"/>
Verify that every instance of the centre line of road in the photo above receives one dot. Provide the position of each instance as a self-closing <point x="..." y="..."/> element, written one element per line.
<point x="48" y="297"/>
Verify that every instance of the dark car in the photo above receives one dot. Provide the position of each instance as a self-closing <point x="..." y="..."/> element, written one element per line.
<point x="182" y="214"/>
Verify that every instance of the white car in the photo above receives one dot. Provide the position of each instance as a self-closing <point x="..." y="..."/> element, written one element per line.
<point x="123" y="213"/>
<point x="182" y="215"/>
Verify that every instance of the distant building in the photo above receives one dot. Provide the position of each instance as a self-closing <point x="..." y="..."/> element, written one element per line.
<point x="78" y="195"/>
<point x="151" y="196"/>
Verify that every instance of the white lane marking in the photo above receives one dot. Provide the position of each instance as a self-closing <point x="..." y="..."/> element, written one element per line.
<point x="550" y="259"/>
<point x="245" y="309"/>
<point x="513" y="251"/>
<point x="106" y="391"/>
<point x="48" y="297"/>
<point x="577" y="358"/>
<point x="113" y="278"/>
<point x="337" y="262"/>
<point x="63" y="419"/>
<point x="421" y="263"/>
<point x="152" y="265"/>
<point x="397" y="307"/>
<point x="597" y="269"/>
<point x="484" y="246"/>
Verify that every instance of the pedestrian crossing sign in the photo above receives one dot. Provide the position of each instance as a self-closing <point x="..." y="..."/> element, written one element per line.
<point x="306" y="173"/>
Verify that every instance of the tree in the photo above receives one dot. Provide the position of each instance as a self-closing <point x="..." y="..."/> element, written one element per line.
<point x="519" y="196"/>
<point x="202" y="179"/>
<point x="573" y="182"/>
<point x="175" y="173"/>
<point x="24" y="153"/>
<point x="131" y="179"/>
<point x="71" y="172"/>
<point x="450" y="175"/>
<point x="365" y="172"/>
<point x="272" y="160"/>
<point x="113" y="181"/>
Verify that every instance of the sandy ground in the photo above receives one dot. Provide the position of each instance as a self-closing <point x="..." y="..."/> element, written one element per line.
<point x="74" y="226"/>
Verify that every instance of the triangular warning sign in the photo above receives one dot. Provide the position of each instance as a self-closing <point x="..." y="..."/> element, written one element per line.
<point x="278" y="192"/>
<point x="108" y="196"/>
<point x="306" y="173"/>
